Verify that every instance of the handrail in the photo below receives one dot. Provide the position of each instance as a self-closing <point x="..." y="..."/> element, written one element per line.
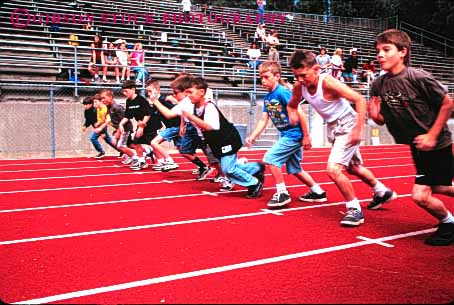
<point x="446" y="44"/>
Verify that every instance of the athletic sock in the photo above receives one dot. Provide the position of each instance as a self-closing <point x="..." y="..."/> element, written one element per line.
<point x="354" y="204"/>
<point x="379" y="188"/>
<point x="317" y="189"/>
<point x="448" y="219"/>
<point x="281" y="188"/>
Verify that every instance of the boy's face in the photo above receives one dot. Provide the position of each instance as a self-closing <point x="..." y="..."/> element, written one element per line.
<point x="195" y="95"/>
<point x="106" y="99"/>
<point x="269" y="80"/>
<point x="128" y="92"/>
<point x="389" y="56"/>
<point x="97" y="103"/>
<point x="179" y="95"/>
<point x="306" y="75"/>
<point x="153" y="89"/>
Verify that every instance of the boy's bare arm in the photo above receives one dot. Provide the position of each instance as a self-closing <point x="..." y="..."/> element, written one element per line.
<point x="429" y="140"/>
<point x="374" y="110"/>
<point x="306" y="136"/>
<point x="258" y="129"/>
<point x="339" y="89"/>
<point x="294" y="103"/>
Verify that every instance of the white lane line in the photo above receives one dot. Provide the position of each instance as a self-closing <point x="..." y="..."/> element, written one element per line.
<point x="267" y="211"/>
<point x="226" y="268"/>
<point x="167" y="224"/>
<point x="170" y="182"/>
<point x="209" y="193"/>
<point x="324" y="150"/>
<point x="166" y="197"/>
<point x="375" y="241"/>
<point x="122" y="184"/>
<point x="106" y="166"/>
<point x="157" y="172"/>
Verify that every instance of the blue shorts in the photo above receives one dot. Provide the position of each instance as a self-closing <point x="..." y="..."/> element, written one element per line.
<point x="285" y="151"/>
<point x="190" y="141"/>
<point x="171" y="133"/>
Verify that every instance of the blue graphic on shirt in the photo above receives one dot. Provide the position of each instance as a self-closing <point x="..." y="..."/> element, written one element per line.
<point x="275" y="104"/>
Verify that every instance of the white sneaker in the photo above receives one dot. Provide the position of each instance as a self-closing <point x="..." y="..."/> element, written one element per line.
<point x="226" y="185"/>
<point x="158" y="166"/>
<point x="168" y="166"/>
<point x="126" y="160"/>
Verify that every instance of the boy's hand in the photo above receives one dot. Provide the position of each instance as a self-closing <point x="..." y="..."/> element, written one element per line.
<point x="355" y="137"/>
<point x="139" y="132"/>
<point x="249" y="140"/>
<point x="307" y="143"/>
<point x="98" y="130"/>
<point x="425" y="142"/>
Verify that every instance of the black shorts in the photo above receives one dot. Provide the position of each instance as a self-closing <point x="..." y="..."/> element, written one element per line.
<point x="145" y="138"/>
<point x="435" y="167"/>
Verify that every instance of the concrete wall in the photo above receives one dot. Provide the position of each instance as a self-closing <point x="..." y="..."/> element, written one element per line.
<point x="26" y="132"/>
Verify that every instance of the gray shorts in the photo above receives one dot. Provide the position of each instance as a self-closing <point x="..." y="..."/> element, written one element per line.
<point x="338" y="135"/>
<point x="124" y="140"/>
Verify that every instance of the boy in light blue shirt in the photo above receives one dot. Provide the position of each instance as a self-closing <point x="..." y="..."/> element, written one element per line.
<point x="287" y="150"/>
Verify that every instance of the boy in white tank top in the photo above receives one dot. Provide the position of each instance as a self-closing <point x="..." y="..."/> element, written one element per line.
<point x="330" y="99"/>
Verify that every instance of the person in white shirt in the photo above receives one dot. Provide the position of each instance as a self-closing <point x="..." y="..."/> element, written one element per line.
<point x="254" y="55"/>
<point x="186" y="9"/>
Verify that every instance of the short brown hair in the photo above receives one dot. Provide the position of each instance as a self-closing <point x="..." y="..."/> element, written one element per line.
<point x="272" y="66"/>
<point x="302" y="58"/>
<point x="398" y="38"/>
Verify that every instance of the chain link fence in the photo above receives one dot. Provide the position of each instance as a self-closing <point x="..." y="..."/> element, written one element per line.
<point x="45" y="121"/>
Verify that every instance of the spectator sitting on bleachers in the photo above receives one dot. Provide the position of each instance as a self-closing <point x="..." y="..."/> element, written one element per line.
<point x="137" y="63"/>
<point x="337" y="64"/>
<point x="323" y="60"/>
<point x="260" y="35"/>
<point x="254" y="55"/>
<point x="368" y="73"/>
<point x="97" y="57"/>
<point x="350" y="67"/>
<point x="123" y="59"/>
<point x="111" y="60"/>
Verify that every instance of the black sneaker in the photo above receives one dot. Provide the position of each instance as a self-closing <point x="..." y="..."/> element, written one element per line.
<point x="255" y="191"/>
<point x="260" y="175"/>
<point x="354" y="217"/>
<point x="313" y="197"/>
<point x="100" y="155"/>
<point x="204" y="172"/>
<point x="444" y="236"/>
<point x="279" y="200"/>
<point x="377" y="201"/>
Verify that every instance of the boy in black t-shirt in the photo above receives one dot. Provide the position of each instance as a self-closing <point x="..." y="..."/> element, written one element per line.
<point x="164" y="162"/>
<point x="148" y="123"/>
<point x="415" y="108"/>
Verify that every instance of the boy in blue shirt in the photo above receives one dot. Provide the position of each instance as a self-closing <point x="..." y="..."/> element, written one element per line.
<point x="287" y="150"/>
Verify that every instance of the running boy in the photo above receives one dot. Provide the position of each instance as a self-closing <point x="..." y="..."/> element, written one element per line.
<point x="330" y="98"/>
<point x="137" y="107"/>
<point x="415" y="108"/>
<point x="287" y="150"/>
<point x="223" y="139"/>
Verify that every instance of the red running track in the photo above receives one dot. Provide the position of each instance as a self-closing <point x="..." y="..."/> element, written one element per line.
<point x="84" y="231"/>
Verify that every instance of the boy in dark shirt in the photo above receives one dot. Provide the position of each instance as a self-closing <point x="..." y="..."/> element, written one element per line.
<point x="116" y="113"/>
<point x="165" y="162"/>
<point x="148" y="123"/>
<point x="415" y="108"/>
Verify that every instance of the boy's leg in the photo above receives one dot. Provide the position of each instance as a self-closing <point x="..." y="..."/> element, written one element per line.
<point x="434" y="170"/>
<point x="276" y="157"/>
<point x="94" y="140"/>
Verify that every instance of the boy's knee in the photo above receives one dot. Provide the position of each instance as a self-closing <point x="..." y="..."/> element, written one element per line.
<point x="334" y="171"/>
<point x="420" y="197"/>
